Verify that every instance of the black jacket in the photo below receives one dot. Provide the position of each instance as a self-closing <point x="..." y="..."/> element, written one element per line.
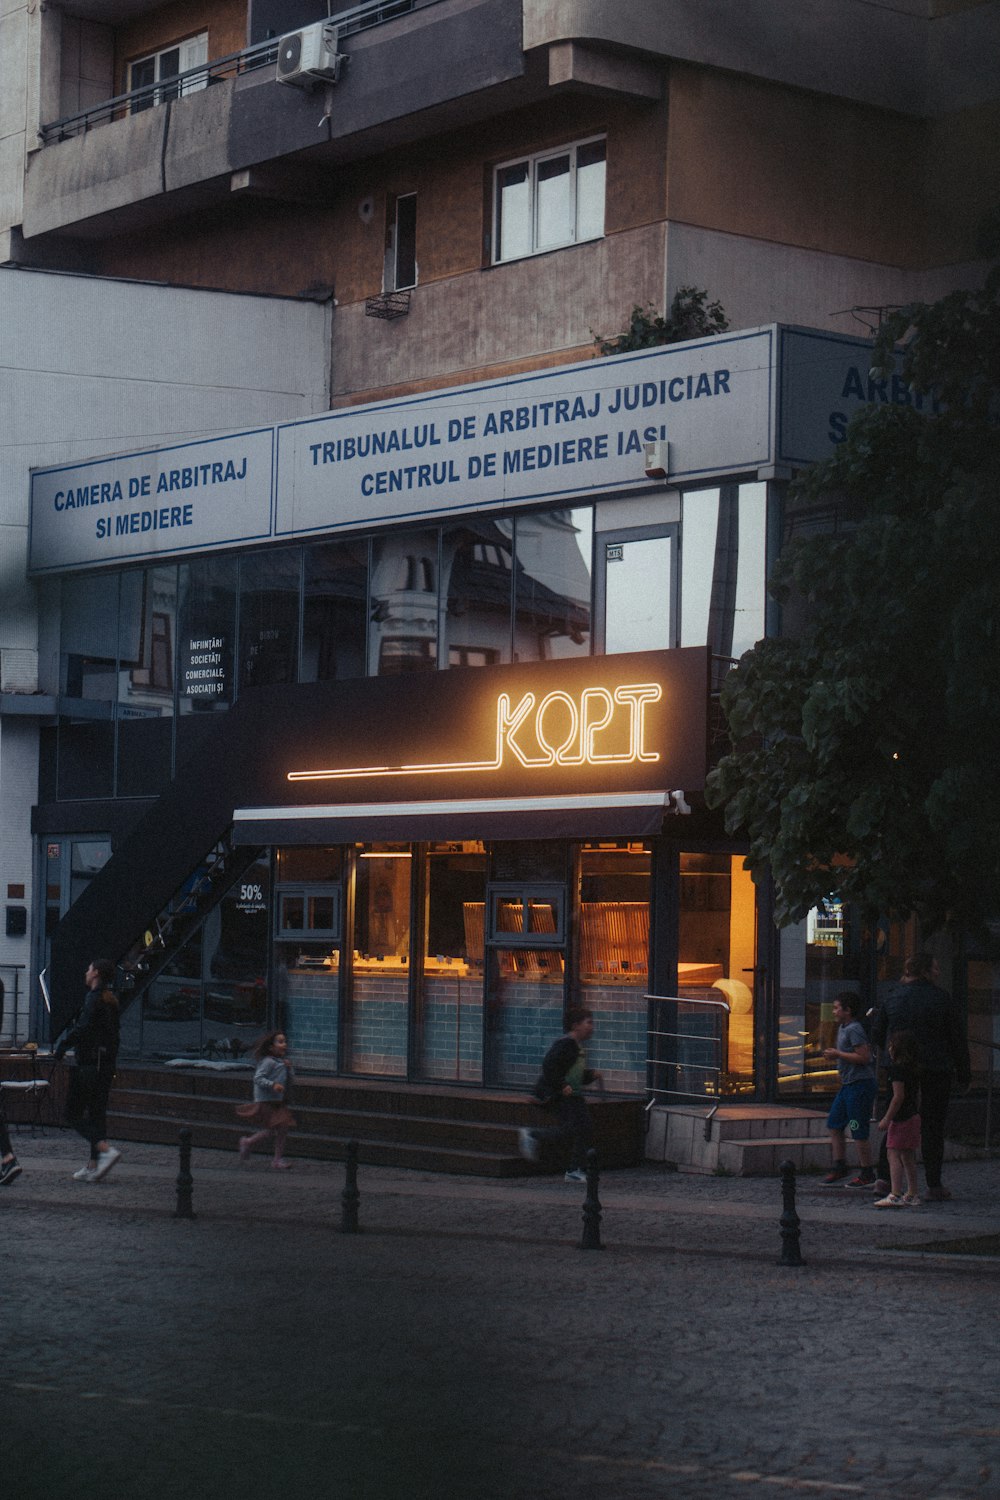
<point x="934" y="1019"/>
<point x="555" y="1065"/>
<point x="93" y="1032"/>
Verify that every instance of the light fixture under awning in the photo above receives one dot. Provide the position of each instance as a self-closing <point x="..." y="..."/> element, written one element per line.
<point x="587" y="815"/>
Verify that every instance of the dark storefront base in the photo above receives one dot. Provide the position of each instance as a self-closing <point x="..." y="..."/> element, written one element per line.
<point x="430" y="1128"/>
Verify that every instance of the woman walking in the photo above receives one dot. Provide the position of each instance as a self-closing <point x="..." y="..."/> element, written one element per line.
<point x="93" y="1036"/>
<point x="271" y="1089"/>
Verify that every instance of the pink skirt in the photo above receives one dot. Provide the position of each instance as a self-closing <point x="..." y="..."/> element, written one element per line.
<point x="267" y="1116"/>
<point x="904" y="1135"/>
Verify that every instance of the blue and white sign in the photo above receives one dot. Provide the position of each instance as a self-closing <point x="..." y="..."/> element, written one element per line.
<point x="824" y="380"/>
<point x="552" y="435"/>
<point x="735" y="404"/>
<point x="141" y="505"/>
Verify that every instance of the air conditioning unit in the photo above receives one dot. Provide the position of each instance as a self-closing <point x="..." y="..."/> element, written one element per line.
<point x="309" y="56"/>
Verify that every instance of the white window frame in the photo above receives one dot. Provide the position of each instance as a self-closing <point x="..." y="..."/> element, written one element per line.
<point x="533" y="163"/>
<point x="193" y="53"/>
<point x="391" y="281"/>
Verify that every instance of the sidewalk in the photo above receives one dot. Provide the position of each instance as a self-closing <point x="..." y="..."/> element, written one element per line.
<point x="649" y="1206"/>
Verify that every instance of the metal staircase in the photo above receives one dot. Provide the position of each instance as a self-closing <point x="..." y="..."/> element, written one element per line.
<point x="154" y="951"/>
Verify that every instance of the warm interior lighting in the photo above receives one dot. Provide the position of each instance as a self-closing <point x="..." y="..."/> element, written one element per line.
<point x="388" y="854"/>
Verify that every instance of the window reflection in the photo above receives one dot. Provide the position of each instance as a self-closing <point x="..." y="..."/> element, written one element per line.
<point x="820" y="957"/>
<point x="269" y="617"/>
<point x="724" y="563"/>
<point x="477" y="575"/>
<point x="146" y="642"/>
<point x="404" y="604"/>
<point x="553" y="584"/>
<point x="334" y="611"/>
<point x="88" y="662"/>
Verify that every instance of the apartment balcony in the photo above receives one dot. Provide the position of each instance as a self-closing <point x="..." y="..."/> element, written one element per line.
<point x="229" y="126"/>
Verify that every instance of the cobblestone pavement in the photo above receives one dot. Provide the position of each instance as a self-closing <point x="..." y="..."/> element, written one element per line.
<point x="464" y="1346"/>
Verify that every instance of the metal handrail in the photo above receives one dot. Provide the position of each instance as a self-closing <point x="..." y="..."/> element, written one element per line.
<point x="192" y="80"/>
<point x="717" y="1041"/>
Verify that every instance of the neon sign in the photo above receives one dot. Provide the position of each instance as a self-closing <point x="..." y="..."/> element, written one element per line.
<point x="598" y="726"/>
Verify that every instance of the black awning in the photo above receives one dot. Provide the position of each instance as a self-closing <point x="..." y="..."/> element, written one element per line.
<point x="626" y="815"/>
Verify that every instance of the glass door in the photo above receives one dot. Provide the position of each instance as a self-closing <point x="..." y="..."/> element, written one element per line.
<point x="636" y="589"/>
<point x="376" y="1020"/>
<point x="717" y="954"/>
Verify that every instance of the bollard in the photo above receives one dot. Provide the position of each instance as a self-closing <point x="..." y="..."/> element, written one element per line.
<point x="591" y="1239"/>
<point x="185" y="1182"/>
<point x="790" y="1253"/>
<point x="350" y="1197"/>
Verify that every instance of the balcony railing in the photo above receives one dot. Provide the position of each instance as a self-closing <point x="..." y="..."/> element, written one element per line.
<point x="262" y="55"/>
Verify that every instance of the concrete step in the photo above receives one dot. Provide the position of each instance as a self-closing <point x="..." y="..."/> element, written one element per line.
<point x="764" y="1158"/>
<point x="314" y="1146"/>
<point x="432" y="1128"/>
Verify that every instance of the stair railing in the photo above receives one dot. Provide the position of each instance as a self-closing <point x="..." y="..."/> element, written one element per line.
<point x="714" y="1071"/>
<point x="173" y="925"/>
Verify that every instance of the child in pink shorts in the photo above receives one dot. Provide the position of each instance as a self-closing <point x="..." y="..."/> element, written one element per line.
<point x="902" y="1122"/>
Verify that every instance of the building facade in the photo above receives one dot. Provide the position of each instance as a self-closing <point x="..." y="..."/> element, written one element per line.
<point x="387" y="716"/>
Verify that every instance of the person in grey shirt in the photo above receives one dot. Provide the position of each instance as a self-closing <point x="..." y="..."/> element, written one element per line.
<point x="852" y="1105"/>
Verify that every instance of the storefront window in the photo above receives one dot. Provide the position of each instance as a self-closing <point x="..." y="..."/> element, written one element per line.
<point x="171" y="1007"/>
<point x="335" y="611"/>
<point x="449" y="1031"/>
<point x="820" y="958"/>
<point x="477" y="577"/>
<point x="615" y="891"/>
<point x="552" y="612"/>
<point x="376" y="1031"/>
<point x="403" y="626"/>
<point x="270" y="584"/>
<point x="308" y="916"/>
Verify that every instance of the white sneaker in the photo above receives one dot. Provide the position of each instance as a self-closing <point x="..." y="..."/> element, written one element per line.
<point x="85" y="1174"/>
<point x="575" y="1174"/>
<point x="105" y="1161"/>
<point x="527" y="1144"/>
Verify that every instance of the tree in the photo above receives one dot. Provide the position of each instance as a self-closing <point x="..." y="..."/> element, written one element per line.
<point x="691" y="316"/>
<point x="866" y="742"/>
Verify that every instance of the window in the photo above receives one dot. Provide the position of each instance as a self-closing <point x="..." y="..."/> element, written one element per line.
<point x="309" y="911"/>
<point x="163" y="68"/>
<point x="554" y="198"/>
<point x="401" y="244"/>
<point x="523" y="915"/>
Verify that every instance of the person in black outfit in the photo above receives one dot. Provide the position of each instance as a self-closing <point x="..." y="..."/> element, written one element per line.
<point x="93" y="1035"/>
<point x="918" y="1005"/>
<point x="565" y="1075"/>
<point x="9" y="1167"/>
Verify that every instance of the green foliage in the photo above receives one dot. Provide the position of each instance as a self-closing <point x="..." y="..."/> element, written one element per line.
<point x="865" y="749"/>
<point x="691" y="316"/>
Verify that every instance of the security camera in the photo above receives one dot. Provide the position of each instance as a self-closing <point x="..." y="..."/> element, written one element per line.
<point x="679" y="804"/>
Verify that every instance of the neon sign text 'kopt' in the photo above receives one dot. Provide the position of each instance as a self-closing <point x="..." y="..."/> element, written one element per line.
<point x="523" y="730"/>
